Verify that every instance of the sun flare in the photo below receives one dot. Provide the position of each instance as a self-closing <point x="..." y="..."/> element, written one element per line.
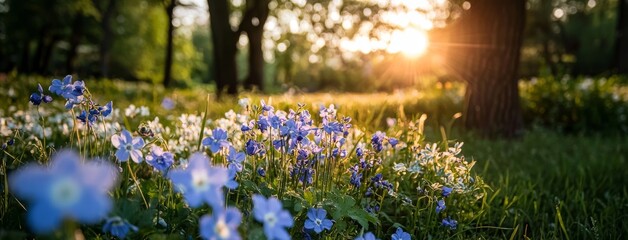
<point x="410" y="42"/>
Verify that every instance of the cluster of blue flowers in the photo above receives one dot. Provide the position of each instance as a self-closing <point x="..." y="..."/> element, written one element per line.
<point x="440" y="206"/>
<point x="284" y="147"/>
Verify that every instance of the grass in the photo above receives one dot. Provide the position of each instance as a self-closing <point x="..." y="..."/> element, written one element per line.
<point x="548" y="185"/>
<point x="544" y="186"/>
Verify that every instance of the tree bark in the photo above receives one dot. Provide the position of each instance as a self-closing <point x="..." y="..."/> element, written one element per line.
<point x="107" y="37"/>
<point x="491" y="34"/>
<point x="621" y="44"/>
<point x="168" y="64"/>
<point x="75" y="40"/>
<point x="258" y="14"/>
<point x="224" y="43"/>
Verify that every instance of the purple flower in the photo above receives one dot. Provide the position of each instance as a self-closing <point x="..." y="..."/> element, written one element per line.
<point x="450" y="223"/>
<point x="66" y="189"/>
<point x="317" y="221"/>
<point x="221" y="225"/>
<point x="440" y="206"/>
<point x="201" y="182"/>
<point x="167" y="103"/>
<point x="401" y="235"/>
<point x="376" y="141"/>
<point x="128" y="146"/>
<point x="393" y="142"/>
<point x="271" y="214"/>
<point x="118" y="227"/>
<point x="159" y="159"/>
<point x="217" y="141"/>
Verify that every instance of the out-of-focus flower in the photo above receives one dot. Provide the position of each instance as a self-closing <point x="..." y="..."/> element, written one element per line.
<point x="221" y="225"/>
<point x="450" y="223"/>
<point x="167" y="103"/>
<point x="367" y="236"/>
<point x="446" y="191"/>
<point x="66" y="189"/>
<point x="235" y="159"/>
<point x="118" y="227"/>
<point x="401" y="235"/>
<point x="270" y="212"/>
<point x="440" y="206"/>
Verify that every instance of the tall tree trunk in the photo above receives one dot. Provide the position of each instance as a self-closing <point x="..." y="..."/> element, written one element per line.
<point x="24" y="66"/>
<point x="224" y="43"/>
<point x="107" y="36"/>
<point x="47" y="54"/>
<point x="255" y="32"/>
<point x="75" y="40"/>
<point x="491" y="33"/>
<point x="621" y="44"/>
<point x="168" y="64"/>
<point x="35" y="63"/>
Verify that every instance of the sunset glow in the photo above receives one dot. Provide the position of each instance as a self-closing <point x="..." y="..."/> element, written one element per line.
<point x="410" y="42"/>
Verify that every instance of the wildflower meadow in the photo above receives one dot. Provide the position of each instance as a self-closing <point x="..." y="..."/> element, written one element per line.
<point x="75" y="166"/>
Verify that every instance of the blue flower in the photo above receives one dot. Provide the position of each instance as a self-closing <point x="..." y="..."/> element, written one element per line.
<point x="271" y="214"/>
<point x="217" y="141"/>
<point x="118" y="227"/>
<point x="261" y="172"/>
<point x="235" y="159"/>
<point x="376" y="141"/>
<point x="106" y="110"/>
<point x="440" y="206"/>
<point x="159" y="159"/>
<point x="401" y="235"/>
<point x="367" y="236"/>
<point x="359" y="152"/>
<point x="67" y="89"/>
<point x="128" y="146"/>
<point x="66" y="189"/>
<point x="393" y="142"/>
<point x="356" y="179"/>
<point x="446" y="191"/>
<point x="201" y="182"/>
<point x="317" y="221"/>
<point x="221" y="225"/>
<point x="232" y="183"/>
<point x="37" y="98"/>
<point x="64" y="88"/>
<point x="448" y="222"/>
<point x="252" y="148"/>
<point x="87" y="118"/>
